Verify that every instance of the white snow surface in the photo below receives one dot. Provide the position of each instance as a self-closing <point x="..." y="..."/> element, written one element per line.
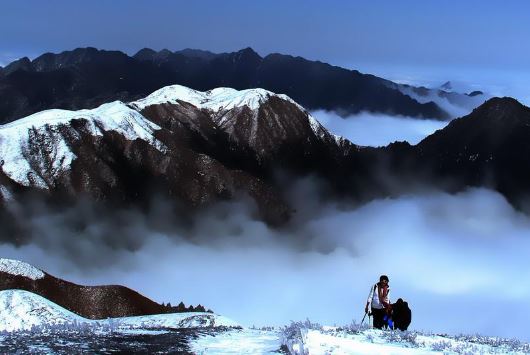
<point x="16" y="137"/>
<point x="319" y="130"/>
<point x="22" y="310"/>
<point x="16" y="267"/>
<point x="218" y="99"/>
<point x="238" y="341"/>
<point x="333" y="340"/>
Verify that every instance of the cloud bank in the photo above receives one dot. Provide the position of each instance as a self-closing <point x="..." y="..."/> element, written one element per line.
<point x="459" y="260"/>
<point x="376" y="130"/>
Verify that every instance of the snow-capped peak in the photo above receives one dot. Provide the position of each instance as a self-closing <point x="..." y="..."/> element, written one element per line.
<point x="19" y="140"/>
<point x="219" y="99"/>
<point x="115" y="116"/>
<point x="16" y="267"/>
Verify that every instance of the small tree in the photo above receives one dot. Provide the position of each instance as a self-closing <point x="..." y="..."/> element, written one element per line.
<point x="181" y="307"/>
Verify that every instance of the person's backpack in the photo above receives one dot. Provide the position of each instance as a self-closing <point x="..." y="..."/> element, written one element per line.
<point x="401" y="314"/>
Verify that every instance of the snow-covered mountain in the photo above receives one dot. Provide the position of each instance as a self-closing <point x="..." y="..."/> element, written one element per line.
<point x="38" y="149"/>
<point x="192" y="146"/>
<point x="254" y="119"/>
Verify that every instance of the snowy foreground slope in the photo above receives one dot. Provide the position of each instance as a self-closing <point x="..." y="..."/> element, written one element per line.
<point x="359" y="340"/>
<point x="27" y="320"/>
<point x="22" y="310"/>
<point x="298" y="339"/>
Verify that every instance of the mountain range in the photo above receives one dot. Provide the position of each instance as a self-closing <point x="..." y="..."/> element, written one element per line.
<point x="86" y="78"/>
<point x="196" y="148"/>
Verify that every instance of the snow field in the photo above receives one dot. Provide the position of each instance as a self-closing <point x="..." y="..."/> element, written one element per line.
<point x="21" y="310"/>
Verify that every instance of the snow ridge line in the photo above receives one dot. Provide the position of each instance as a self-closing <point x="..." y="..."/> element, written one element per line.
<point x="20" y="268"/>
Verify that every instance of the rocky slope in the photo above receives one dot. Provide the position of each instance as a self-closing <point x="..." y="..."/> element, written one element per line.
<point x="94" y="302"/>
<point x="488" y="147"/>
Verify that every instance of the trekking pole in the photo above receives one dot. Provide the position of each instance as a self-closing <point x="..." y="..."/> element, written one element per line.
<point x="365" y="313"/>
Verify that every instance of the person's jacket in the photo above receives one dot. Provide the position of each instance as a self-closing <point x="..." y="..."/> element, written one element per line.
<point x="373" y="297"/>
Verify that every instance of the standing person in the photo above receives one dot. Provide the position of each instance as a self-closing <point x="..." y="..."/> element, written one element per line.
<point x="379" y="298"/>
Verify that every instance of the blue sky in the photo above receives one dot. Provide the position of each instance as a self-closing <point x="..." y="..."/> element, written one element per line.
<point x="490" y="34"/>
<point x="480" y="43"/>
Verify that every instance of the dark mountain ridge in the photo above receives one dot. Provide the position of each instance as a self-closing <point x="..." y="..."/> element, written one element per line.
<point x="87" y="77"/>
<point x="489" y="147"/>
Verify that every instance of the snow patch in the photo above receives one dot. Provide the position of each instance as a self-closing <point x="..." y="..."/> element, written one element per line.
<point x="5" y="193"/>
<point x="240" y="341"/>
<point x="317" y="128"/>
<point x="20" y="268"/>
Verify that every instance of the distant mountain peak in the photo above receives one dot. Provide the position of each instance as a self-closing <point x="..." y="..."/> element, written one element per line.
<point x="248" y="53"/>
<point x="164" y="53"/>
<point x="500" y="108"/>
<point x="196" y="53"/>
<point x="148" y="54"/>
<point x="475" y="93"/>
<point x="23" y="63"/>
<point x="446" y="86"/>
<point x="145" y="54"/>
<point x="501" y="101"/>
<point x="73" y="58"/>
<point x="498" y="105"/>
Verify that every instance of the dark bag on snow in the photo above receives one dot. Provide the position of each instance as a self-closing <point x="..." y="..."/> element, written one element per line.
<point x="401" y="315"/>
